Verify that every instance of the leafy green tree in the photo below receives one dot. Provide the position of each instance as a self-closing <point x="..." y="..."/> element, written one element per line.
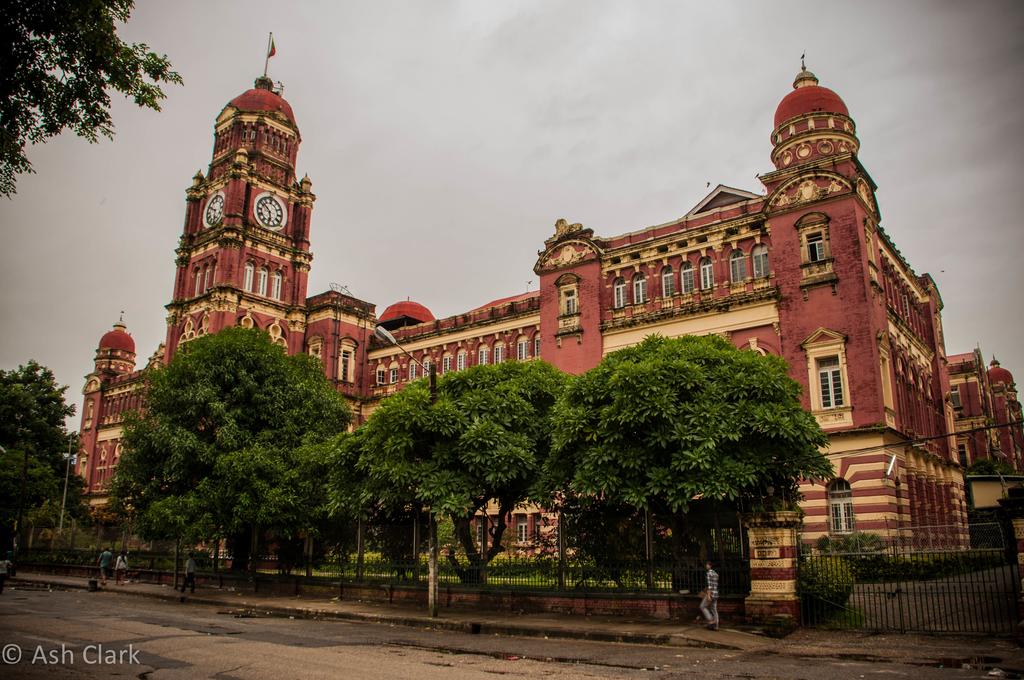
<point x="32" y="413"/>
<point x="484" y="440"/>
<point x="668" y="421"/>
<point x="990" y="466"/>
<point x="59" y="59"/>
<point x="227" y="442"/>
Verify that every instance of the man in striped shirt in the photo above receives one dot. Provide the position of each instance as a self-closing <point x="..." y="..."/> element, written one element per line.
<point x="709" y="605"/>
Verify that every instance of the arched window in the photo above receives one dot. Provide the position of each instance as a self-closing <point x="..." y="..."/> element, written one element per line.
<point x="207" y="277"/>
<point x="760" y="257"/>
<point x="346" y="360"/>
<point x="393" y="373"/>
<point x="499" y="353"/>
<point x="737" y="266"/>
<point x="483" y="355"/>
<point x="569" y="302"/>
<point x="686" y="277"/>
<point x="830" y="382"/>
<point x="382" y="374"/>
<point x="275" y="285"/>
<point x="412" y="370"/>
<point x="261" y="281"/>
<point x="815" y="244"/>
<point x="840" y="507"/>
<point x="536" y="345"/>
<point x="446" y="363"/>
<point x="522" y="348"/>
<point x="199" y="281"/>
<point x="247" y="279"/>
<point x="619" y="289"/>
<point x="460" y="360"/>
<point x="707" y="274"/>
<point x="639" y="289"/>
<point x="668" y="282"/>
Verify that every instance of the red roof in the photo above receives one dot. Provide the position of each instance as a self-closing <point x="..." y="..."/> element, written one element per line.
<point x="807" y="99"/>
<point x="259" y="99"/>
<point x="117" y="339"/>
<point x="505" y="300"/>
<point x="407" y="308"/>
<point x="997" y="374"/>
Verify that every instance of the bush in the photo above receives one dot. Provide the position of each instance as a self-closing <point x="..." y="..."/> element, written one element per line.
<point x="857" y="542"/>
<point x="922" y="566"/>
<point x="825" y="582"/>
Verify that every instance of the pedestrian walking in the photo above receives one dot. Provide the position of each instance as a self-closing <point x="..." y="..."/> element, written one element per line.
<point x="121" y="568"/>
<point x="105" y="560"/>
<point x="190" y="575"/>
<point x="709" y="603"/>
<point x="5" y="567"/>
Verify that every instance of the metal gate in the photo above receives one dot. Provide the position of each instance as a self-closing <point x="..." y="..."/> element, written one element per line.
<point x="908" y="584"/>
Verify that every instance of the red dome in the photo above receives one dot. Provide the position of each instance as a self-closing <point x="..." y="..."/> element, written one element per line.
<point x="409" y="309"/>
<point x="118" y="339"/>
<point x="808" y="96"/>
<point x="261" y="98"/>
<point x="998" y="374"/>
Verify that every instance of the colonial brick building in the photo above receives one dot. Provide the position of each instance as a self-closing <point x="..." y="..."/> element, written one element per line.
<point x="987" y="411"/>
<point x="802" y="269"/>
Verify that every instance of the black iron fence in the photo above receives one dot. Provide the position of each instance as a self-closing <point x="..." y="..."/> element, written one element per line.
<point x="636" y="557"/>
<point x="900" y="587"/>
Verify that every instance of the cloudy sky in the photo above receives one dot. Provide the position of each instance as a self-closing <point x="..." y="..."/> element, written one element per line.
<point x="444" y="139"/>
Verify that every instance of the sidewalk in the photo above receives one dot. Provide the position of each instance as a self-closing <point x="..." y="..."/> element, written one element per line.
<point x="925" y="650"/>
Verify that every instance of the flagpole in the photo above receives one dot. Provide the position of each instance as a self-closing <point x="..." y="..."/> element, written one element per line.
<point x="266" y="61"/>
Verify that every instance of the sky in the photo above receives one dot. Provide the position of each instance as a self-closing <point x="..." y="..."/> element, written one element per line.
<point x="445" y="138"/>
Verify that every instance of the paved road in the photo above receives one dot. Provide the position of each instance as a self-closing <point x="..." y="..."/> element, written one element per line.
<point x="172" y="640"/>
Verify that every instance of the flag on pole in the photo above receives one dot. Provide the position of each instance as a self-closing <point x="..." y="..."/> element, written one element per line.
<point x="271" y="51"/>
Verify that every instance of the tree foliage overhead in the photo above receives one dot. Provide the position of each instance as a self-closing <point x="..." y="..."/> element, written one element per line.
<point x="32" y="413"/>
<point x="227" y="440"/>
<point x="60" y="60"/>
<point x="671" y="420"/>
<point x="485" y="439"/>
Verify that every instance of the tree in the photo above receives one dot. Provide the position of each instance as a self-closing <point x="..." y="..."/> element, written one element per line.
<point x="60" y="60"/>
<point x="223" y="447"/>
<point x="668" y="421"/>
<point x="484" y="439"/>
<point x="32" y="471"/>
<point x="990" y="466"/>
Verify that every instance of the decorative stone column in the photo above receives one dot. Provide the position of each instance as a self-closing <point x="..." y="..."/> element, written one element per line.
<point x="773" y="565"/>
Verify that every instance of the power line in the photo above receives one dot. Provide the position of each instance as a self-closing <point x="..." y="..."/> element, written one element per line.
<point x="919" y="440"/>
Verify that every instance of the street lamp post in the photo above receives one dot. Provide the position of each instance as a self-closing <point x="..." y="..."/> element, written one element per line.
<point x="384" y="335"/>
<point x="64" y="501"/>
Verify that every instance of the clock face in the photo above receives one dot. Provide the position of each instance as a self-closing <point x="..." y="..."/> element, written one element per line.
<point x="214" y="210"/>
<point x="269" y="211"/>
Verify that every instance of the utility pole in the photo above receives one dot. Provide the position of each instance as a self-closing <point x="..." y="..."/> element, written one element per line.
<point x="384" y="335"/>
<point x="67" y="474"/>
<point x="18" y="530"/>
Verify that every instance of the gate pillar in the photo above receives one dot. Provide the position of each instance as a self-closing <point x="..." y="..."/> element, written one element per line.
<point x="773" y="567"/>
<point x="1012" y="507"/>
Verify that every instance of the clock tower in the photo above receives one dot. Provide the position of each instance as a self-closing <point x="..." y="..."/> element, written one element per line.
<point x="243" y="258"/>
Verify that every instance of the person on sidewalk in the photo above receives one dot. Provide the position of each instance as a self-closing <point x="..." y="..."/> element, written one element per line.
<point x="5" y="565"/>
<point x="120" y="568"/>
<point x="106" y="557"/>
<point x="190" y="574"/>
<point x="709" y="605"/>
